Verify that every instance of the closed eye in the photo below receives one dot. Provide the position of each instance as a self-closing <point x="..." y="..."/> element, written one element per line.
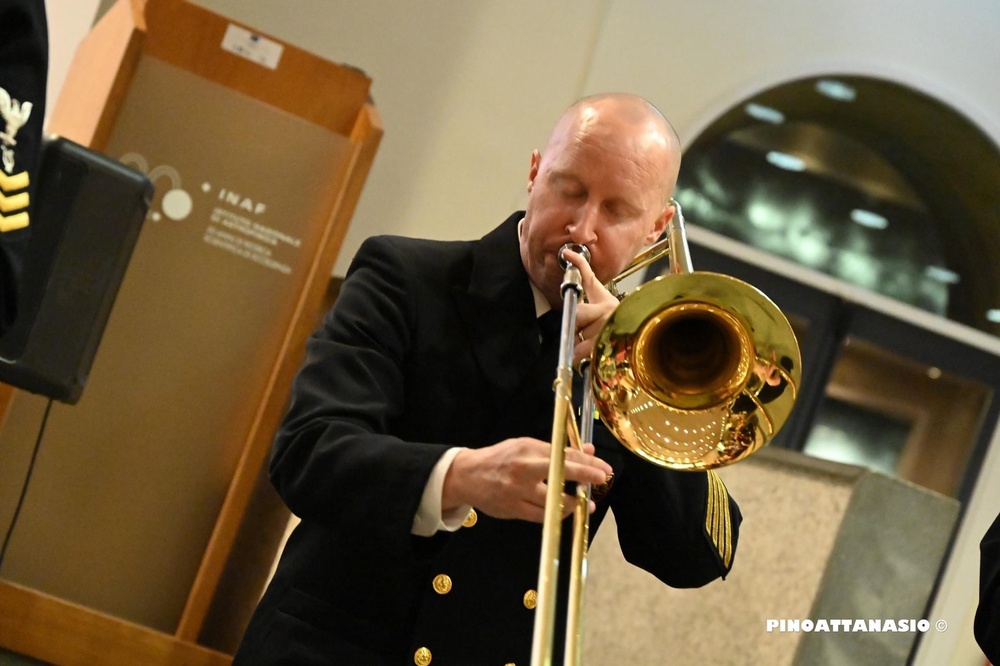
<point x="568" y="187"/>
<point x="622" y="210"/>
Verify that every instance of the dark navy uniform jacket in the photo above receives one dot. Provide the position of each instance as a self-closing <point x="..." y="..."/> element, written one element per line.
<point x="24" y="50"/>
<point x="987" y="624"/>
<point x="432" y="345"/>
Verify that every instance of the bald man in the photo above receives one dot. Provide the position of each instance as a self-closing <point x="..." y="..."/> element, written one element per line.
<point x="415" y="448"/>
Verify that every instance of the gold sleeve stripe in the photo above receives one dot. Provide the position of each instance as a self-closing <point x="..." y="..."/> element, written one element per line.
<point x="717" y="519"/>
<point x="13" y="203"/>
<point x="18" y="181"/>
<point x="14" y="222"/>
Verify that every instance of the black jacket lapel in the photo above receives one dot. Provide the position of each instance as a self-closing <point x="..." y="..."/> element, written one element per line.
<point x="497" y="308"/>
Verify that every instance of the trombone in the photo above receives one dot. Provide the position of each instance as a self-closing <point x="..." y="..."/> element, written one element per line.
<point x="692" y="371"/>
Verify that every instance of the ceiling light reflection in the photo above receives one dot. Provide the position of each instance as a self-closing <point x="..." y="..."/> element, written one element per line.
<point x="764" y="215"/>
<point x="811" y="249"/>
<point x="837" y="90"/>
<point x="785" y="161"/>
<point x="766" y="113"/>
<point x="859" y="268"/>
<point x="942" y="275"/>
<point x="867" y="218"/>
<point x="993" y="315"/>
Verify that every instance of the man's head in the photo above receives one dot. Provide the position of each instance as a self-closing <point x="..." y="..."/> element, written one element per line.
<point x="604" y="180"/>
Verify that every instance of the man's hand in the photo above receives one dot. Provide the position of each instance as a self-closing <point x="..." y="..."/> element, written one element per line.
<point x="507" y="480"/>
<point x="592" y="315"/>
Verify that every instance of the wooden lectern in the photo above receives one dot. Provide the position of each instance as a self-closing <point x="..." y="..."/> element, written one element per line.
<point x="258" y="152"/>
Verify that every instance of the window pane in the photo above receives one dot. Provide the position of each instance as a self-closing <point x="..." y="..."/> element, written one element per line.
<point x="899" y="416"/>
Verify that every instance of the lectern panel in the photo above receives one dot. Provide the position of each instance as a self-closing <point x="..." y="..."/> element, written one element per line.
<point x="243" y="195"/>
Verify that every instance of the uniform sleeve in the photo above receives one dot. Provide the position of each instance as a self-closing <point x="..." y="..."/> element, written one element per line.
<point x="23" y="76"/>
<point x="987" y="623"/>
<point x="335" y="460"/>
<point x="682" y="527"/>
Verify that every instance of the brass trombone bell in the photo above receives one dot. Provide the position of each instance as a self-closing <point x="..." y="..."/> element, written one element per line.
<point x="695" y="370"/>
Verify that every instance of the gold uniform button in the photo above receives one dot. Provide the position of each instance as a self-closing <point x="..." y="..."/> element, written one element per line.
<point x="470" y="519"/>
<point x="530" y="599"/>
<point x="442" y="584"/>
<point x="422" y="657"/>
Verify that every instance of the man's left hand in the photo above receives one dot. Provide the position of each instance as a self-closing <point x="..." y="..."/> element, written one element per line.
<point x="592" y="314"/>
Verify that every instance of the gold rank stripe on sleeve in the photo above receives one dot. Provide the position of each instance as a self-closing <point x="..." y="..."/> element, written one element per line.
<point x="13" y="203"/>
<point x="13" y="207"/>
<point x="13" y="183"/>
<point x="13" y="222"/>
<point x="717" y="519"/>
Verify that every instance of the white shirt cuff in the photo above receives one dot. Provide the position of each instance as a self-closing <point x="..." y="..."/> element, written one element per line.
<point x="430" y="519"/>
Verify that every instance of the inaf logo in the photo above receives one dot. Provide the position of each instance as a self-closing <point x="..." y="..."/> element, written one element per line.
<point x="242" y="202"/>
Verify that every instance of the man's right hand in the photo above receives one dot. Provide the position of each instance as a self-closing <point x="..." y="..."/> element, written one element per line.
<point x="507" y="480"/>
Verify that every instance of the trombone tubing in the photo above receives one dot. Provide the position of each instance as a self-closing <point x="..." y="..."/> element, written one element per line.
<point x="573" y="652"/>
<point x="548" y="568"/>
<point x="680" y="255"/>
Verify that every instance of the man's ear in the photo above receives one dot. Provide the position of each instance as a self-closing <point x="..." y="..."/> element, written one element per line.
<point x="536" y="161"/>
<point x="660" y="225"/>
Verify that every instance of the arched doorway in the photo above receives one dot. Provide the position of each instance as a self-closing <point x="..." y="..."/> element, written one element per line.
<point x="864" y="179"/>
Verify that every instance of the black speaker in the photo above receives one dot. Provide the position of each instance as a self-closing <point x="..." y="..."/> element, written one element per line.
<point x="88" y="211"/>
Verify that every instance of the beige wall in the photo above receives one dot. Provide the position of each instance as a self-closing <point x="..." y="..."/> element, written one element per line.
<point x="69" y="21"/>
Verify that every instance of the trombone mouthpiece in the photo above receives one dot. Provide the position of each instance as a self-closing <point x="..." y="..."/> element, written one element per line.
<point x="579" y="249"/>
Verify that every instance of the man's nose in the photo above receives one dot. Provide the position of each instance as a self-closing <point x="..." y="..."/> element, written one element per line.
<point x="583" y="229"/>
